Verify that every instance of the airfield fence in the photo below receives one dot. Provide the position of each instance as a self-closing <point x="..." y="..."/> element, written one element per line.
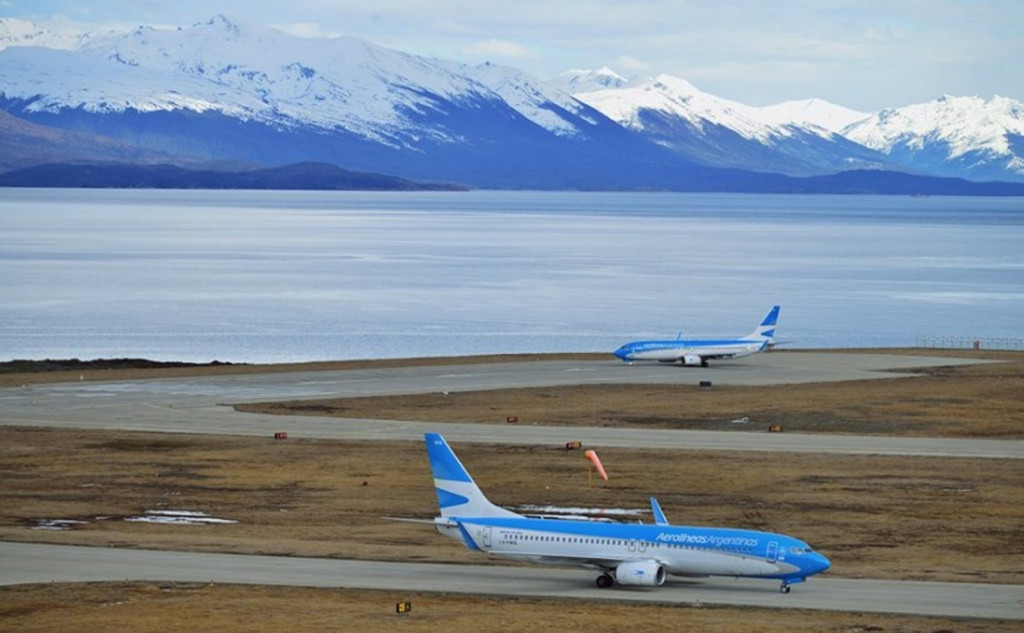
<point x="967" y="342"/>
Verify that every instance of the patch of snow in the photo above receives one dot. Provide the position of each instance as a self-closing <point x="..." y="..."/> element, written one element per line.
<point x="581" y="514"/>
<point x="56" y="524"/>
<point x="178" y="517"/>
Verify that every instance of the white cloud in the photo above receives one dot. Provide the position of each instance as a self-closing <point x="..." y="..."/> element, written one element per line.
<point x="305" y="29"/>
<point x="629" y="64"/>
<point x="499" y="48"/>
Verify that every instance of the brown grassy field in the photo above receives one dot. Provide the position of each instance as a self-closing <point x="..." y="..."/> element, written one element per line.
<point x="874" y="516"/>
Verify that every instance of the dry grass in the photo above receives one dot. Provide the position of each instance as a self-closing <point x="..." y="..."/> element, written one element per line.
<point x="187" y="608"/>
<point x="874" y="516"/>
<point x="984" y="400"/>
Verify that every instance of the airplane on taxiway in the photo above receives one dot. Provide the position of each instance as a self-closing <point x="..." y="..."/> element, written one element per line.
<point x="700" y="351"/>
<point x="623" y="553"/>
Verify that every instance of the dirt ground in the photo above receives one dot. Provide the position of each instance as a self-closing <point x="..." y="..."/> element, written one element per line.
<point x="873" y="516"/>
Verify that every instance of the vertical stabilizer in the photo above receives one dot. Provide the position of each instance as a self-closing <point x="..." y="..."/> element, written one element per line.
<point x="457" y="493"/>
<point x="767" y="328"/>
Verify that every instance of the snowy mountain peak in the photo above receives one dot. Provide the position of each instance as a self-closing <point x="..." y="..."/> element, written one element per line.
<point x="675" y="86"/>
<point x="818" y="112"/>
<point x="675" y="97"/>
<point x="222" y="23"/>
<point x="960" y="127"/>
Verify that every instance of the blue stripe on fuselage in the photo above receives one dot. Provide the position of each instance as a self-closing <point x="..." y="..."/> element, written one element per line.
<point x="800" y="559"/>
<point x="668" y="534"/>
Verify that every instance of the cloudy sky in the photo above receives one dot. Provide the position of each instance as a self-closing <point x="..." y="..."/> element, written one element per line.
<point x="863" y="54"/>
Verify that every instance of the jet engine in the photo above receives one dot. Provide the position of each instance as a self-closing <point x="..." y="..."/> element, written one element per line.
<point x="692" y="360"/>
<point x="640" y="572"/>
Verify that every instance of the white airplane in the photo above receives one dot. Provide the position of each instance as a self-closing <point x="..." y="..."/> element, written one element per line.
<point x="626" y="553"/>
<point x="700" y="351"/>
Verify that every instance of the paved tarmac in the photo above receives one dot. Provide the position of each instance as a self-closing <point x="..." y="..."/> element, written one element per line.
<point x="202" y="405"/>
<point x="33" y="563"/>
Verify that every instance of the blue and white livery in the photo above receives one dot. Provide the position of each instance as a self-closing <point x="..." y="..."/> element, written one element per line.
<point x="624" y="553"/>
<point x="700" y="351"/>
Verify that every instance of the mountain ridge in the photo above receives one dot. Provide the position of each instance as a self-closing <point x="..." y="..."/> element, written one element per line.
<point x="223" y="91"/>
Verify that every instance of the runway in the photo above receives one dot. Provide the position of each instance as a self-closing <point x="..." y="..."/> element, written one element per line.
<point x="31" y="563"/>
<point x="203" y="405"/>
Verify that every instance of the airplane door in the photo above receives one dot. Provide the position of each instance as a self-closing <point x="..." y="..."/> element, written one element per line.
<point x="636" y="546"/>
<point x="487" y="537"/>
<point x="773" y="551"/>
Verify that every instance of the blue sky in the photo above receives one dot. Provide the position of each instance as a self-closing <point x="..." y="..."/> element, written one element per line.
<point x="863" y="54"/>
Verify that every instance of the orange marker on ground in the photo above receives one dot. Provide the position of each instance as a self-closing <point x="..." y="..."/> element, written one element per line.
<point x="592" y="456"/>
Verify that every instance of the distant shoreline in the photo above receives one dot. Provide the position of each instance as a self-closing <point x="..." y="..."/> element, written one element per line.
<point x="23" y="372"/>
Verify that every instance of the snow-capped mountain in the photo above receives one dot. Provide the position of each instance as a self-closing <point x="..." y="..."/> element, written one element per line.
<point x="254" y="74"/>
<point x="232" y="92"/>
<point x="810" y="112"/>
<point x="798" y="138"/>
<point x="964" y="137"/>
<point x="226" y="91"/>
<point x="953" y="136"/>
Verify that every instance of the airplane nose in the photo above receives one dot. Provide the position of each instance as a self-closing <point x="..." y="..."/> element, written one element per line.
<point x="820" y="564"/>
<point x="621" y="352"/>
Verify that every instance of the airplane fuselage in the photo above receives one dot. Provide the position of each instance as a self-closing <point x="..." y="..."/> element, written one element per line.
<point x="690" y="352"/>
<point x="679" y="550"/>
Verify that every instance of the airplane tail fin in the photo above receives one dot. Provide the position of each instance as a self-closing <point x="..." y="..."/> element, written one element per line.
<point x="457" y="493"/>
<point x="766" y="330"/>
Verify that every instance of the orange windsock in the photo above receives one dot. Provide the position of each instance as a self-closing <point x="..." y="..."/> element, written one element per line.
<point x="592" y="456"/>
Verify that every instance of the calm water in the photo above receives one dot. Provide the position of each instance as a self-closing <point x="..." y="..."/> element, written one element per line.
<point x="287" y="276"/>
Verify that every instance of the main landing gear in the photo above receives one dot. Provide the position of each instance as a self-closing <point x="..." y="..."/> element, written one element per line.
<point x="604" y="581"/>
<point x="784" y="588"/>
